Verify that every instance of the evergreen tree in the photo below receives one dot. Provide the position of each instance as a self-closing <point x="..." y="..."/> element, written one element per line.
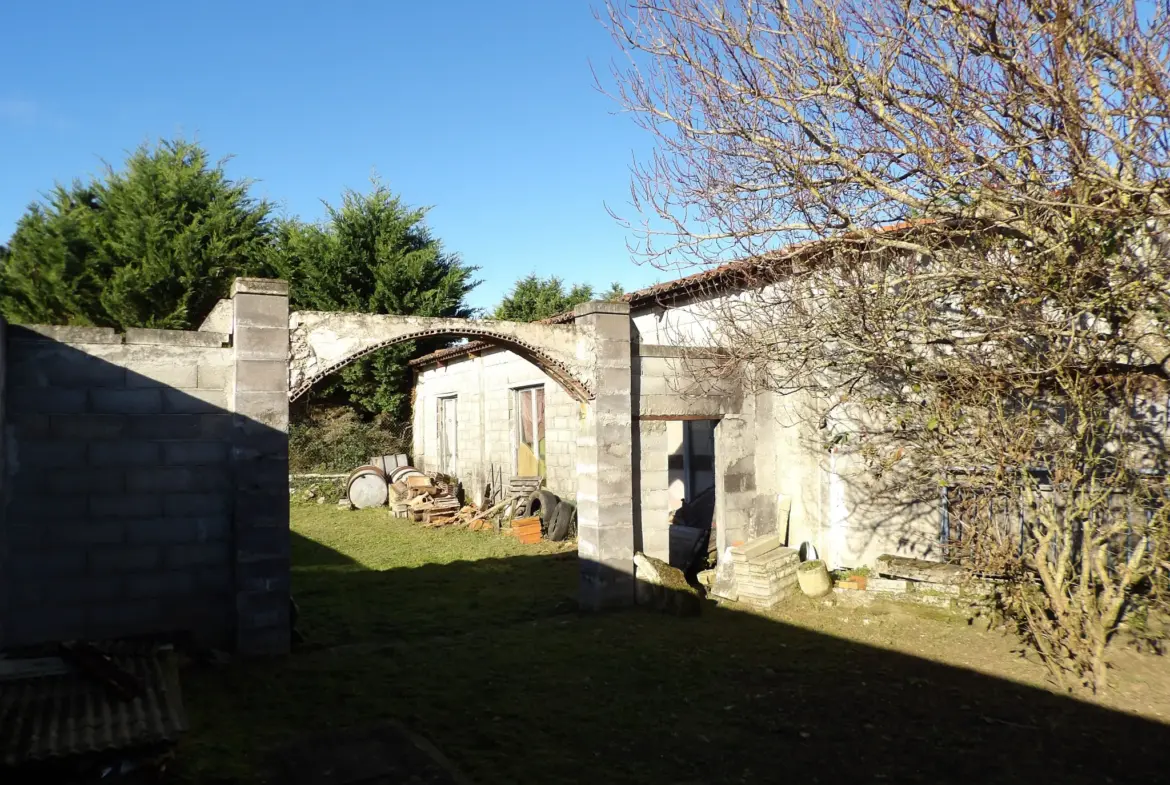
<point x="614" y="293"/>
<point x="533" y="298"/>
<point x="373" y="254"/>
<point x="153" y="245"/>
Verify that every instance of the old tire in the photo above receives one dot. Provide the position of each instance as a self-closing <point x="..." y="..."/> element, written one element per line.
<point x="542" y="504"/>
<point x="562" y="521"/>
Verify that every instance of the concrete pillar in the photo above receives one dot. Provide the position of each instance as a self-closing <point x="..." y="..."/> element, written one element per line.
<point x="605" y="461"/>
<point x="735" y="478"/>
<point x="5" y="480"/>
<point x="259" y="398"/>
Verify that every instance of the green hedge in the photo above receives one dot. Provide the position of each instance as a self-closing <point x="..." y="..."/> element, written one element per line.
<point x="337" y="440"/>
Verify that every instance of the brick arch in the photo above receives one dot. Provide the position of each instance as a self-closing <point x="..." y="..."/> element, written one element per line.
<point x="488" y="332"/>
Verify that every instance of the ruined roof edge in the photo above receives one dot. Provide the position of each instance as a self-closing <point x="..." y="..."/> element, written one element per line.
<point x="717" y="280"/>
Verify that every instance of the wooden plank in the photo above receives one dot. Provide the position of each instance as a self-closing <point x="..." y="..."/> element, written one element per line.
<point x="680" y="417"/>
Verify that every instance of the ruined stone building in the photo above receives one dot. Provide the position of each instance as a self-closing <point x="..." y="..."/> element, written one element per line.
<point x="483" y="412"/>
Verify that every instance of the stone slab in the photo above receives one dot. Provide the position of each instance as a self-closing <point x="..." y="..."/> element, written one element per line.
<point x="919" y="569"/>
<point x="141" y="335"/>
<point x="756" y="548"/>
<point x="272" y="286"/>
<point x="725" y="586"/>
<point x="886" y="584"/>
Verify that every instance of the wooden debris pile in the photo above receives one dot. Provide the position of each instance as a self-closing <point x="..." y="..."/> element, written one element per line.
<point x="425" y="500"/>
<point x="435" y="501"/>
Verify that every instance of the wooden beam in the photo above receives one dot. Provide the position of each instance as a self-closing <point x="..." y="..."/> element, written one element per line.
<point x="680" y="417"/>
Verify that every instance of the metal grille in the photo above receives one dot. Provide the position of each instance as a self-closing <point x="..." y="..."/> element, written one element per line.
<point x="977" y="521"/>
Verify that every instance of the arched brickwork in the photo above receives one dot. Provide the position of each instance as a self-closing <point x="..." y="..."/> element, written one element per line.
<point x="324" y="343"/>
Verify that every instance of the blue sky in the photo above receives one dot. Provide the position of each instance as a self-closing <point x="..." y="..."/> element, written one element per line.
<point x="485" y="110"/>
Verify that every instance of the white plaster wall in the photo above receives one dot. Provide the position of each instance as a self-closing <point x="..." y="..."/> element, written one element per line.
<point x="686" y="324"/>
<point x="789" y="457"/>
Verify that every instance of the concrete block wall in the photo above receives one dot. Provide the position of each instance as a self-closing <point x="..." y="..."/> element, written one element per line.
<point x="120" y="485"/>
<point x="653" y="488"/>
<point x="485" y="386"/>
<point x="606" y="533"/>
<point x="146" y="481"/>
<point x="259" y="455"/>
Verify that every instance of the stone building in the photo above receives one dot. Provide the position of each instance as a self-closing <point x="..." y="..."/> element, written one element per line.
<point x="483" y="413"/>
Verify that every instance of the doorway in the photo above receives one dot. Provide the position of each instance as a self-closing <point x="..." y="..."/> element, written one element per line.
<point x="529" y="431"/>
<point x="691" y="460"/>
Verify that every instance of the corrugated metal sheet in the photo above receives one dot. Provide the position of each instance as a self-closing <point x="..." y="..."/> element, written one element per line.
<point x="72" y="714"/>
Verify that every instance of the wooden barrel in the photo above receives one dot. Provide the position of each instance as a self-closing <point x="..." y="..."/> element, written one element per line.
<point x="367" y="487"/>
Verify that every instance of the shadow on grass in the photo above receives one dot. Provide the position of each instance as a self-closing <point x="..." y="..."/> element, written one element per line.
<point x="481" y="658"/>
<point x="341" y="602"/>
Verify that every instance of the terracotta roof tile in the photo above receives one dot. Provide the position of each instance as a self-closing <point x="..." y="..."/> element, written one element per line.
<point x="725" y="277"/>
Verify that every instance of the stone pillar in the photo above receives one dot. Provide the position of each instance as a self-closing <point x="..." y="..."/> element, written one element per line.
<point x="259" y="397"/>
<point x="735" y="479"/>
<point x="605" y="465"/>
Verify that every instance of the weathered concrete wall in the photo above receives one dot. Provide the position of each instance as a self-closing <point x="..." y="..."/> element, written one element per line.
<point x="140" y="468"/>
<point x="673" y="384"/>
<point x="606" y="536"/>
<point x="259" y="445"/>
<point x="324" y="342"/>
<point x="680" y="324"/>
<point x="773" y="468"/>
<point x="485" y="387"/>
<point x="653" y="500"/>
<point x="771" y="455"/>
<point x="119" y="518"/>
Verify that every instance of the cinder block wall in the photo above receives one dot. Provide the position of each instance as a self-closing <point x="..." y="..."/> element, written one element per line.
<point x="654" y="488"/>
<point x="484" y="386"/>
<point x="129" y="461"/>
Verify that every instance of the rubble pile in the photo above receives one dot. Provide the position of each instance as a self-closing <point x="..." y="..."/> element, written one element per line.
<point x="436" y="500"/>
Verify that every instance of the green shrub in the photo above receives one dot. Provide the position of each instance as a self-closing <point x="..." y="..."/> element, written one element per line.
<point x="337" y="440"/>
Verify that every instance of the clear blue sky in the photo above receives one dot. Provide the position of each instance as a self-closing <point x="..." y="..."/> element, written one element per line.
<point x="484" y="109"/>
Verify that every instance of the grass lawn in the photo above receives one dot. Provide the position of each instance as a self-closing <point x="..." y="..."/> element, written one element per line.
<point x="471" y="640"/>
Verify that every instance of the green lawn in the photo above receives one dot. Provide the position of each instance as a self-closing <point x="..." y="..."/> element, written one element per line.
<point x="471" y="640"/>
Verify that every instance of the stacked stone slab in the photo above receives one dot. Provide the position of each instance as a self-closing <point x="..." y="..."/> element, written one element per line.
<point x="765" y="572"/>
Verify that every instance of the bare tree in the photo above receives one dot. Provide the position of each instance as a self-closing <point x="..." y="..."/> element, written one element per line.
<point x="950" y="217"/>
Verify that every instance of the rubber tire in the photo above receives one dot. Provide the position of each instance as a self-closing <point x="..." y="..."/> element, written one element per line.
<point x="542" y="504"/>
<point x="562" y="521"/>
